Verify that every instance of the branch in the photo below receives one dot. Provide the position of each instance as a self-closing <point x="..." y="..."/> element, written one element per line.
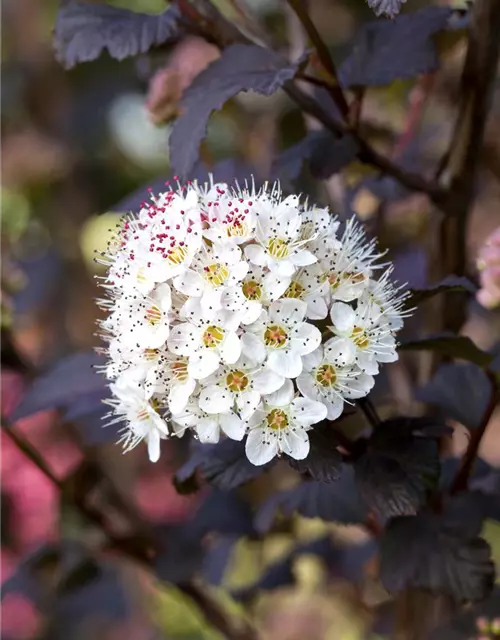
<point x="367" y="154"/>
<point x="334" y="88"/>
<point x="367" y="407"/>
<point x="466" y="464"/>
<point x="461" y="165"/>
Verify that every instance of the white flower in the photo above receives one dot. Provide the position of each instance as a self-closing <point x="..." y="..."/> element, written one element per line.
<point x="389" y="298"/>
<point x="216" y="272"/>
<point x="241" y="385"/>
<point x="206" y="343"/>
<point x="230" y="216"/>
<point x="281" y="336"/>
<point x="280" y="425"/>
<point x="365" y="336"/>
<point x="208" y="427"/>
<point x="347" y="262"/>
<point x="279" y="244"/>
<point x="144" y="321"/>
<point x="307" y="284"/>
<point x="214" y="302"/>
<point x="143" y="420"/>
<point x="328" y="382"/>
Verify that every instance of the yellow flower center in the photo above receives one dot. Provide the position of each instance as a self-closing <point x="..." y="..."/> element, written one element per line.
<point x="236" y="381"/>
<point x="177" y="254"/>
<point x="326" y="375"/>
<point x="216" y="274"/>
<point x="336" y="279"/>
<point x="237" y="230"/>
<point x="360" y="338"/>
<point x="251" y="290"/>
<point x="277" y="248"/>
<point x="213" y="336"/>
<point x="275" y="336"/>
<point x="277" y="419"/>
<point x="294" y="290"/>
<point x="180" y="370"/>
<point x="151" y="354"/>
<point x="153" y="315"/>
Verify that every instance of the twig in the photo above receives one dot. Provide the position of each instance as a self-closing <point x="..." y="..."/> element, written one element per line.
<point x="334" y="89"/>
<point x="366" y="154"/>
<point x="139" y="548"/>
<point x="355" y="108"/>
<point x="418" y="99"/>
<point x="367" y="407"/>
<point x="466" y="464"/>
<point x="32" y="454"/>
<point x="461" y="167"/>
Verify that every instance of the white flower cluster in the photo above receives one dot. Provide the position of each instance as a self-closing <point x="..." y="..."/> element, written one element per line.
<point x="240" y="312"/>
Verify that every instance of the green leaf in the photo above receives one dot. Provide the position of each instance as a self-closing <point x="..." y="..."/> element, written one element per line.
<point x="460" y="347"/>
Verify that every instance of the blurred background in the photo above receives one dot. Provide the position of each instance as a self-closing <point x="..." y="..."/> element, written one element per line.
<point x="79" y="148"/>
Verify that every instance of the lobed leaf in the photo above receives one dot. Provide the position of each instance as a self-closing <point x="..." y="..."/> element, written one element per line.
<point x="223" y="465"/>
<point x="325" y="154"/>
<point x="387" y="50"/>
<point x="447" y="285"/>
<point x="241" y="67"/>
<point x="400" y="464"/>
<point x="324" y="462"/>
<point x="74" y="387"/>
<point x="461" y="391"/>
<point x="442" y="553"/>
<point x="335" y="502"/>
<point x="85" y="29"/>
<point x="448" y="344"/>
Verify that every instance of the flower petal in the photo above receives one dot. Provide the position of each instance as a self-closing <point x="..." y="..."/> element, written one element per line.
<point x="190" y="283"/>
<point x="253" y="348"/>
<point x="305" y="338"/>
<point x="340" y="351"/>
<point x="215" y="399"/>
<point x="202" y="364"/>
<point x="289" y="311"/>
<point x="266" y="381"/>
<point x="232" y="426"/>
<point x="317" y="308"/>
<point x="303" y="258"/>
<point x="178" y="396"/>
<point x="247" y="403"/>
<point x="231" y="348"/>
<point x="285" y="363"/>
<point x="282" y="397"/>
<point x="261" y="446"/>
<point x="153" y="440"/>
<point x="343" y="317"/>
<point x="184" y="339"/>
<point x="307" y="412"/>
<point x="208" y="430"/>
<point x="305" y="383"/>
<point x="295" y="443"/>
<point x="256" y="254"/>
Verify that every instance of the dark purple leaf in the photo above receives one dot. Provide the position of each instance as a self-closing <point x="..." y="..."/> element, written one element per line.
<point x="448" y="344"/>
<point x="223" y="465"/>
<point x="241" y="67"/>
<point x="72" y="378"/>
<point x="400" y="464"/>
<point x="387" y="50"/>
<point x="338" y="501"/>
<point x="442" y="553"/>
<point x="447" y="285"/>
<point x="85" y="29"/>
<point x="325" y="154"/>
<point x="461" y="391"/>
<point x="324" y="462"/>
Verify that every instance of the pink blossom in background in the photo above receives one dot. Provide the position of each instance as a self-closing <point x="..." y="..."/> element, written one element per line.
<point x="20" y="618"/>
<point x="488" y="263"/>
